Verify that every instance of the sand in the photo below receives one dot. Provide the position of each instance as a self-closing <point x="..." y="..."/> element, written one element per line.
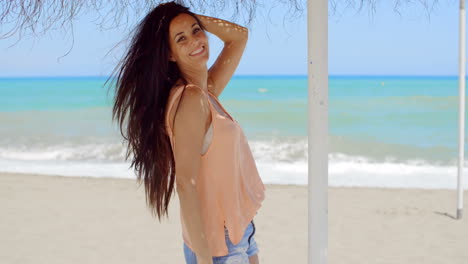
<point x="55" y="219"/>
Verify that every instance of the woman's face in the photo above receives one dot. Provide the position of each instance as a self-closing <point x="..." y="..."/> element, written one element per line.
<point x="188" y="42"/>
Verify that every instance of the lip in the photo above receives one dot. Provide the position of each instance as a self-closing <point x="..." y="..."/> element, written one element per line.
<point x="201" y="52"/>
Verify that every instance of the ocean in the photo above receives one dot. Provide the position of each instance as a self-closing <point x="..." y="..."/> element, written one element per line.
<point x="384" y="131"/>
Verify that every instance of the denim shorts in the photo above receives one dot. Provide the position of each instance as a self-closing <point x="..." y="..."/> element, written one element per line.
<point x="239" y="253"/>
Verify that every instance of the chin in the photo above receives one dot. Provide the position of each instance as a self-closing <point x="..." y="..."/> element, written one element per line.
<point x="202" y="61"/>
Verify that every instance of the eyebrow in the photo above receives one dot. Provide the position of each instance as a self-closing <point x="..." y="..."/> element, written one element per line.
<point x="183" y="32"/>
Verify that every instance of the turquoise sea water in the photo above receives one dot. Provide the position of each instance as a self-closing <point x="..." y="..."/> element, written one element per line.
<point x="383" y="130"/>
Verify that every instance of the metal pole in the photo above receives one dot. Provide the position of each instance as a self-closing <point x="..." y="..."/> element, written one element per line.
<point x="461" y="113"/>
<point x="317" y="60"/>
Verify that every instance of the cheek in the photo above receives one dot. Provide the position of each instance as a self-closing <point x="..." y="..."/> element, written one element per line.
<point x="205" y="38"/>
<point x="180" y="52"/>
<point x="185" y="51"/>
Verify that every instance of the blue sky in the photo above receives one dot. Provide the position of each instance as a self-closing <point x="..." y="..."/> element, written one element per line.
<point x="384" y="43"/>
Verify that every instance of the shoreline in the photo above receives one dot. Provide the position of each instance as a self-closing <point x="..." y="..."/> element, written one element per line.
<point x="21" y="174"/>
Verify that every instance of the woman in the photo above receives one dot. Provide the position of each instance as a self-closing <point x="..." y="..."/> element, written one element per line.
<point x="169" y="96"/>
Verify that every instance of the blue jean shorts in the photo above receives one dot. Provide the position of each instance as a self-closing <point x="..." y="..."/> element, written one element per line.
<point x="239" y="253"/>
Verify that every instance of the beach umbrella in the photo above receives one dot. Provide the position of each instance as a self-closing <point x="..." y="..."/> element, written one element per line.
<point x="317" y="61"/>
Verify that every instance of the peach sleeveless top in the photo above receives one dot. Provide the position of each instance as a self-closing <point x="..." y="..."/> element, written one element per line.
<point x="229" y="186"/>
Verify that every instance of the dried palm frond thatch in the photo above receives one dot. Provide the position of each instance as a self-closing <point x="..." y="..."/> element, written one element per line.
<point x="36" y="17"/>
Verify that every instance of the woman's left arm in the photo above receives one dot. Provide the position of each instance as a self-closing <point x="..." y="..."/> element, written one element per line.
<point x="235" y="39"/>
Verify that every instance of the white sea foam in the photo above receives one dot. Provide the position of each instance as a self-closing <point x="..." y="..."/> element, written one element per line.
<point x="350" y="171"/>
<point x="278" y="161"/>
<point x="276" y="150"/>
<point x="112" y="152"/>
<point x="343" y="171"/>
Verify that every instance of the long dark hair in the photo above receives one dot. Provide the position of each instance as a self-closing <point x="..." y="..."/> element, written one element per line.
<point x="143" y="81"/>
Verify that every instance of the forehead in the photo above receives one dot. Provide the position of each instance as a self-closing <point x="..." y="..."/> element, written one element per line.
<point x="181" y="23"/>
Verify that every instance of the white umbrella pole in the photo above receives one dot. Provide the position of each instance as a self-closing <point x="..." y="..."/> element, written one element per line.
<point x="317" y="61"/>
<point x="461" y="114"/>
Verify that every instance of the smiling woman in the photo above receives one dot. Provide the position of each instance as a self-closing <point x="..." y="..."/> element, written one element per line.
<point x="188" y="46"/>
<point x="169" y="96"/>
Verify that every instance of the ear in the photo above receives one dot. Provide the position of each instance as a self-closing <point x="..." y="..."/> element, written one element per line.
<point x="171" y="58"/>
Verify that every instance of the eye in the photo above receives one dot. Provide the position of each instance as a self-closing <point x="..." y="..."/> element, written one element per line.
<point x="196" y="30"/>
<point x="181" y="38"/>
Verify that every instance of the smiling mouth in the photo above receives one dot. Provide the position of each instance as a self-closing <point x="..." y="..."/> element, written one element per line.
<point x="198" y="51"/>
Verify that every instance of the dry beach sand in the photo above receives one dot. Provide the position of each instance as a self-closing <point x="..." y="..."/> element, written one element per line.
<point x="55" y="219"/>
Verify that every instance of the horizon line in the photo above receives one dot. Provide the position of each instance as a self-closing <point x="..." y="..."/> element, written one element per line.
<point x="239" y="75"/>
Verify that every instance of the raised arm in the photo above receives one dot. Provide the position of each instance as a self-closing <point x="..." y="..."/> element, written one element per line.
<point x="189" y="130"/>
<point x="235" y="39"/>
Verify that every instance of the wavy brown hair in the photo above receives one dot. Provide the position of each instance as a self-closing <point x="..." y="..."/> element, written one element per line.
<point x="143" y="79"/>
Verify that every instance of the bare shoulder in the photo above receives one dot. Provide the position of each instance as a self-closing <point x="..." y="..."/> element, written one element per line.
<point x="193" y="109"/>
<point x="194" y="96"/>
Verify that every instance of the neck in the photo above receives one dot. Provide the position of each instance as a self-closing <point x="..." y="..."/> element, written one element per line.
<point x="197" y="76"/>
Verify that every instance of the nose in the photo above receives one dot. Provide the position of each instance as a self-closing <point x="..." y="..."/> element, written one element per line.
<point x="195" y="42"/>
